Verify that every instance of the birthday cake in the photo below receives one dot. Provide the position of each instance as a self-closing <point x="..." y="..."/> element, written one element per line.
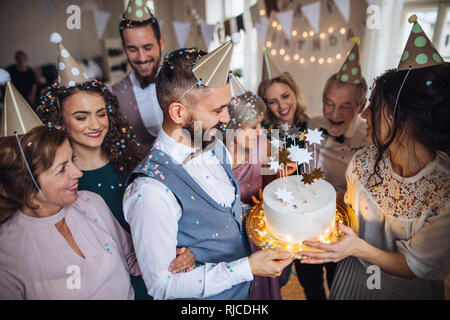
<point x="309" y="213"/>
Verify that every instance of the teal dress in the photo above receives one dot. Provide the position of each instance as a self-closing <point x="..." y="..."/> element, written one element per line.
<point x="110" y="185"/>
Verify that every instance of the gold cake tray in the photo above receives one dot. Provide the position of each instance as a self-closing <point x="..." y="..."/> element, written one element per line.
<point x="259" y="234"/>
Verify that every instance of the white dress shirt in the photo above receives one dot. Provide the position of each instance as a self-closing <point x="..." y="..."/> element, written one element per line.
<point x="334" y="157"/>
<point x="148" y="106"/>
<point x="153" y="213"/>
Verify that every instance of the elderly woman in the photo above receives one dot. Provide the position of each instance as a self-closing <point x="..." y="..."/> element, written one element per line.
<point x="57" y="242"/>
<point x="284" y="101"/>
<point x="399" y="187"/>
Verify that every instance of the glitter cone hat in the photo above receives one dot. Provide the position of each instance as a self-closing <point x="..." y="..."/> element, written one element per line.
<point x="419" y="51"/>
<point x="213" y="69"/>
<point x="235" y="86"/>
<point x="137" y="11"/>
<point x="350" y="71"/>
<point x="18" y="117"/>
<point x="69" y="72"/>
<point x="270" y="70"/>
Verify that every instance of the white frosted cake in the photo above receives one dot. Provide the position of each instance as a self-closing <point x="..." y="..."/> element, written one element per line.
<point x="309" y="215"/>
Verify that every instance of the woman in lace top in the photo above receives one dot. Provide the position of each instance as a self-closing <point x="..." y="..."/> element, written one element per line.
<point x="399" y="187"/>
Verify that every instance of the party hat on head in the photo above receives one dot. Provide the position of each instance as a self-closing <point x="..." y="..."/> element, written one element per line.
<point x="69" y="72"/>
<point x="270" y="69"/>
<point x="18" y="117"/>
<point x="213" y="68"/>
<point x="137" y="11"/>
<point x="350" y="71"/>
<point x="419" y="51"/>
<point x="235" y="86"/>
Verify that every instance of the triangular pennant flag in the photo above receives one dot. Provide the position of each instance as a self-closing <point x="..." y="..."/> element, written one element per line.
<point x="69" y="72"/>
<point x="138" y="11"/>
<point x="213" y="69"/>
<point x="312" y="13"/>
<point x="101" y="20"/>
<point x="344" y="8"/>
<point x="18" y="117"/>
<point x="254" y="12"/>
<point x="261" y="29"/>
<point x="285" y="18"/>
<point x="270" y="69"/>
<point x="419" y="51"/>
<point x="181" y="32"/>
<point x="350" y="71"/>
<point x="207" y="32"/>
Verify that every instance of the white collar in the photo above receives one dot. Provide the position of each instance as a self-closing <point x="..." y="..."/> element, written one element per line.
<point x="136" y="83"/>
<point x="179" y="152"/>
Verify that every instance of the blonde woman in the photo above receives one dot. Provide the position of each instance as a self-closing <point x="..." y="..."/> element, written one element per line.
<point x="284" y="101"/>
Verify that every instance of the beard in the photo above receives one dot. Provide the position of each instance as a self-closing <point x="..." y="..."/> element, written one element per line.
<point x="145" y="81"/>
<point x="195" y="132"/>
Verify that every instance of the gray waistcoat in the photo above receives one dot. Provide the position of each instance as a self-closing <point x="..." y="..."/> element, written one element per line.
<point x="212" y="232"/>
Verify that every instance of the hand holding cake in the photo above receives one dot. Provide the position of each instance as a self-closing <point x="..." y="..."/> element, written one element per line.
<point x="349" y="245"/>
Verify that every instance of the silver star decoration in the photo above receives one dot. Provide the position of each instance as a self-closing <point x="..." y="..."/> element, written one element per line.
<point x="314" y="136"/>
<point x="294" y="132"/>
<point x="284" y="128"/>
<point x="276" y="143"/>
<point x="274" y="164"/>
<point x="300" y="155"/>
<point x="284" y="195"/>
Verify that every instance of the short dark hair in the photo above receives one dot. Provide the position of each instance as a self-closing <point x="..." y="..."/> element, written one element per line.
<point x="175" y="77"/>
<point x="152" y="22"/>
<point x="20" y="53"/>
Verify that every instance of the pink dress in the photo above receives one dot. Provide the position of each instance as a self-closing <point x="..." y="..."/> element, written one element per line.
<point x="250" y="181"/>
<point x="36" y="262"/>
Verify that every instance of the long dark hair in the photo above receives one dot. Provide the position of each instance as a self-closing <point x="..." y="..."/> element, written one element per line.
<point x="423" y="108"/>
<point x="119" y="144"/>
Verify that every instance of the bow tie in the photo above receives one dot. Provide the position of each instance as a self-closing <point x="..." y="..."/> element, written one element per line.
<point x="340" y="139"/>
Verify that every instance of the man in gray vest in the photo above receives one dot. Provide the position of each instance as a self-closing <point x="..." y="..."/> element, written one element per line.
<point x="136" y="93"/>
<point x="184" y="194"/>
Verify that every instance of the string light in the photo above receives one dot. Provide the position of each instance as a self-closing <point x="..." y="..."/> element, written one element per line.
<point x="338" y="56"/>
<point x="321" y="61"/>
<point x="302" y="60"/>
<point x="294" y="33"/>
<point x="279" y="27"/>
<point x="329" y="60"/>
<point x="322" y="35"/>
<point x="287" y="58"/>
<point x="274" y="24"/>
<point x="262" y="12"/>
<point x="311" y="33"/>
<point x="312" y="59"/>
<point x="305" y="34"/>
<point x="296" y="57"/>
<point x="273" y="52"/>
<point x="342" y="31"/>
<point x="330" y="30"/>
<point x="268" y="44"/>
<point x="282" y="52"/>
